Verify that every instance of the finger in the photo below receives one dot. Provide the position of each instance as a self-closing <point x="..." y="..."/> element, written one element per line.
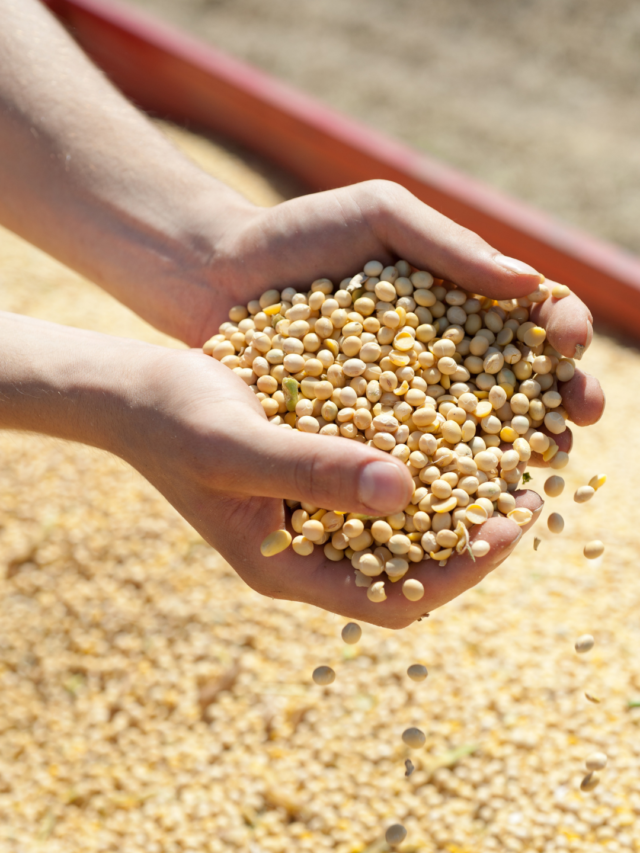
<point x="583" y="398"/>
<point x="429" y="240"/>
<point x="340" y="230"/>
<point x="568" y="322"/>
<point x="331" y="585"/>
<point x="326" y="471"/>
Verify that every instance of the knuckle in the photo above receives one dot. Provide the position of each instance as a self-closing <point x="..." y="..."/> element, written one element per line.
<point x="386" y="194"/>
<point x="318" y="477"/>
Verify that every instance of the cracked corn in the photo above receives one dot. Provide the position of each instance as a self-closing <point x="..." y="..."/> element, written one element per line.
<point x="119" y="629"/>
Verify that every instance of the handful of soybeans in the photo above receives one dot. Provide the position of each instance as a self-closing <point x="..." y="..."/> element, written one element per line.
<point x="458" y="387"/>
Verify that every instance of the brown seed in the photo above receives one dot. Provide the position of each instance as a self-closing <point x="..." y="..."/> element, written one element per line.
<point x="351" y="633"/>
<point x="395" y="834"/>
<point x="414" y="737"/>
<point x="584" y="644"/>
<point x="555" y="522"/>
<point x="323" y="675"/>
<point x="596" y="761"/>
<point x="417" y="672"/>
<point x="593" y="549"/>
<point x="590" y="781"/>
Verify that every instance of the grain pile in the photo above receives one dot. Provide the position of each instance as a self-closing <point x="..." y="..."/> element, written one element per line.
<point x="455" y="386"/>
<point x="149" y="701"/>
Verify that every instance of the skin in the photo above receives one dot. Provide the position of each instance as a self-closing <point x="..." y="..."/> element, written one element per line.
<point x="87" y="178"/>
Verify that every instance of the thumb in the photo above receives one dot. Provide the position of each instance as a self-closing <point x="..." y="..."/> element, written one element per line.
<point x="326" y="471"/>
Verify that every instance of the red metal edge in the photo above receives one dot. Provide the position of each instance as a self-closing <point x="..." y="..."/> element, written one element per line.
<point x="178" y="77"/>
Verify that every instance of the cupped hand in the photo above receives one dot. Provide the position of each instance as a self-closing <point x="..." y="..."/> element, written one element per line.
<point x="200" y="436"/>
<point x="333" y="234"/>
<point x="227" y="470"/>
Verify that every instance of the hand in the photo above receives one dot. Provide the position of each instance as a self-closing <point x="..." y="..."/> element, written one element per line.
<point x="200" y="436"/>
<point x="99" y="188"/>
<point x="335" y="233"/>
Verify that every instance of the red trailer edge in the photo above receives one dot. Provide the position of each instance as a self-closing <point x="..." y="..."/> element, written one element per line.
<point x="177" y="77"/>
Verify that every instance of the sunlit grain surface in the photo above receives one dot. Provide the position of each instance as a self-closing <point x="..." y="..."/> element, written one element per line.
<point x="149" y="701"/>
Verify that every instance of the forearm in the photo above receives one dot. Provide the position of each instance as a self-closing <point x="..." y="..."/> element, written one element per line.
<point x="68" y="383"/>
<point x="87" y="178"/>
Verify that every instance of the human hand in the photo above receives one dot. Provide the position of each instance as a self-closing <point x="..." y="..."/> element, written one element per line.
<point x="200" y="436"/>
<point x="333" y="234"/>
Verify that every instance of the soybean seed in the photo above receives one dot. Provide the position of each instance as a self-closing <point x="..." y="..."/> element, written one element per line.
<point x="554" y="486"/>
<point x="584" y="644"/>
<point x="376" y="592"/>
<point x="596" y="761"/>
<point x="555" y="522"/>
<point x="417" y="672"/>
<point x="414" y="738"/>
<point x="313" y="530"/>
<point x="480" y="548"/>
<point x="303" y="546"/>
<point x="351" y="633"/>
<point x="275" y="543"/>
<point x="412" y="589"/>
<point x="560" y="291"/>
<point x="597" y="481"/>
<point x="395" y="834"/>
<point x="559" y="460"/>
<point x="521" y="516"/>
<point x="476" y="514"/>
<point x="590" y="781"/>
<point x="352" y="528"/>
<point x="593" y="549"/>
<point x="396" y="568"/>
<point x="323" y="675"/>
<point x="584" y="494"/>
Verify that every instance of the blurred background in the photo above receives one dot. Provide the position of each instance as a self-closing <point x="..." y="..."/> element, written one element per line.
<point x="537" y="97"/>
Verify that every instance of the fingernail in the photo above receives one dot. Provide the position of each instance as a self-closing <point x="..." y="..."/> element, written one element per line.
<point x="382" y="487"/>
<point x="580" y="350"/>
<point x="518" y="537"/>
<point x="519" y="267"/>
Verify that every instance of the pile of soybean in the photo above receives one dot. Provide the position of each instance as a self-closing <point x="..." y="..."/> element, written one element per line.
<point x="151" y="702"/>
<point x="457" y="386"/>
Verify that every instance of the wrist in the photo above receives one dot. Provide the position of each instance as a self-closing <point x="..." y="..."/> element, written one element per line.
<point x="68" y="383"/>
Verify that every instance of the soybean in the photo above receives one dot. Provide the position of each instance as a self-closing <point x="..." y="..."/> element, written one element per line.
<point x="395" y="834"/>
<point x="596" y="761"/>
<point x="323" y="675"/>
<point x="584" y="494"/>
<point x="554" y="486"/>
<point x="413" y="589"/>
<point x="414" y="737"/>
<point x="593" y="549"/>
<point x="275" y="543"/>
<point x="584" y="644"/>
<point x="555" y="522"/>
<point x="417" y="672"/>
<point x="590" y="781"/>
<point x="351" y="633"/>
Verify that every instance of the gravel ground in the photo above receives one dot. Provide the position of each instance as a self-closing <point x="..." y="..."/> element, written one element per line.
<point x="537" y="98"/>
<point x="149" y="701"/>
